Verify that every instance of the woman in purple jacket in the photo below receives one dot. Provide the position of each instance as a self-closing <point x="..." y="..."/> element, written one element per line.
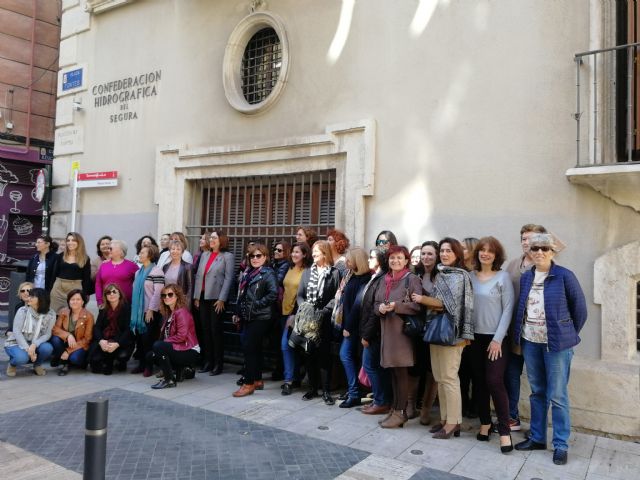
<point x="179" y="345"/>
<point x="551" y="312"/>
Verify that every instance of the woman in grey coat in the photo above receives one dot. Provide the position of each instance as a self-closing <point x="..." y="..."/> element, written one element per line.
<point x="211" y="288"/>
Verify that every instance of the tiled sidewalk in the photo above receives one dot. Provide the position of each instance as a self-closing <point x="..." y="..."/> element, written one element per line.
<point x="209" y="434"/>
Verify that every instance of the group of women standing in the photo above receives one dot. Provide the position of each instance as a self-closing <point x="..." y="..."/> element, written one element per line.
<point x="321" y="294"/>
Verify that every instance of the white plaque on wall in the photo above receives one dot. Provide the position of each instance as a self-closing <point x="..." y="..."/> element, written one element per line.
<point x="69" y="140"/>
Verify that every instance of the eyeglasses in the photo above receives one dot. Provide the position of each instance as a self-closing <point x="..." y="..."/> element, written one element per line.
<point x="382" y="242"/>
<point x="113" y="292"/>
<point x="167" y="295"/>
<point x="25" y="290"/>
<point x="256" y="255"/>
<point x="536" y="248"/>
<point x="279" y="250"/>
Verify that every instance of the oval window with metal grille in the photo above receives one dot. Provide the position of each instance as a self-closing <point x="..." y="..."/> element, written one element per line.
<point x="255" y="63"/>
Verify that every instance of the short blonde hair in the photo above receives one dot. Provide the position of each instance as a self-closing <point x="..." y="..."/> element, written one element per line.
<point x="23" y="285"/>
<point x="359" y="260"/>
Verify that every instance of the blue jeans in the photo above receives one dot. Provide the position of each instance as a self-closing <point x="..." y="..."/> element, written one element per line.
<point x="17" y="356"/>
<point x="348" y="356"/>
<point x="76" y="358"/>
<point x="512" y="376"/>
<point x="291" y="370"/>
<point x="548" y="374"/>
<point x="378" y="376"/>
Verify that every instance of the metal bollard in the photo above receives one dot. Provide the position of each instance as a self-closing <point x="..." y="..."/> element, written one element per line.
<point x="95" y="439"/>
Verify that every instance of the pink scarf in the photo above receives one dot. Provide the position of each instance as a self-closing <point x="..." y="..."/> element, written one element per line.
<point x="391" y="280"/>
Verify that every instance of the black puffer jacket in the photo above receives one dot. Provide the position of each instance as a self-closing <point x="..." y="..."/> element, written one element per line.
<point x="257" y="301"/>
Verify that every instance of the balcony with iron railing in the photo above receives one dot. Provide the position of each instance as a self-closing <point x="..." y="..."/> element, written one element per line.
<point x="607" y="123"/>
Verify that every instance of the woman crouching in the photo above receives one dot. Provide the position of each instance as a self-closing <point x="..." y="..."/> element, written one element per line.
<point x="179" y="346"/>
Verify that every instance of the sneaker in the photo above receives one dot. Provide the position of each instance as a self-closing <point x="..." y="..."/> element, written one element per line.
<point x="514" y="425"/>
<point x="11" y="371"/>
<point x="38" y="370"/>
<point x="559" y="457"/>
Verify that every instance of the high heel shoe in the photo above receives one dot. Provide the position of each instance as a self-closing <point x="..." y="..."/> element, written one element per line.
<point x="484" y="438"/>
<point x="443" y="435"/>
<point x="436" y="428"/>
<point x="507" y="448"/>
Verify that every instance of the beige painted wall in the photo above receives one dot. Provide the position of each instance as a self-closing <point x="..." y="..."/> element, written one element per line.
<point x="473" y="112"/>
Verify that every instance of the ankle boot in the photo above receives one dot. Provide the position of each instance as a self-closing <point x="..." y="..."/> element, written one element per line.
<point x="396" y="420"/>
<point x="411" y="397"/>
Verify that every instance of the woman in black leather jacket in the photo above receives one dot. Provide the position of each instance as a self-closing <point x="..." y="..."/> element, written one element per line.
<point x="257" y="296"/>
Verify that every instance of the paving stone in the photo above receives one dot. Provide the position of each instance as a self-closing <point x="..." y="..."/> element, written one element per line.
<point x="171" y="435"/>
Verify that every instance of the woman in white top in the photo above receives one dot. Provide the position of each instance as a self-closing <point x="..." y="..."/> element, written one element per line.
<point x="493" y="307"/>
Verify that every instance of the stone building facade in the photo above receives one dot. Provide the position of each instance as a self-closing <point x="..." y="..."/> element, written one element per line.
<point x="425" y="117"/>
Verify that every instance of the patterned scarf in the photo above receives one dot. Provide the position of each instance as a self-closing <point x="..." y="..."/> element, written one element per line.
<point x="453" y="288"/>
<point x="316" y="282"/>
<point x="246" y="279"/>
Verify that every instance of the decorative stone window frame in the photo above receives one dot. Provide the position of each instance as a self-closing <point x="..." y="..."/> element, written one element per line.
<point x="232" y="63"/>
<point x="99" y="6"/>
<point x="616" y="275"/>
<point x="348" y="148"/>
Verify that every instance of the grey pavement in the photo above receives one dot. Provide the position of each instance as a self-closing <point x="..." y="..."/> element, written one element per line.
<point x="198" y="430"/>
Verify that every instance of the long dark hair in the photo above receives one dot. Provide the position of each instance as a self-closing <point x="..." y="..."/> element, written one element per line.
<point x="139" y="242"/>
<point x="420" y="271"/>
<point x="53" y="246"/>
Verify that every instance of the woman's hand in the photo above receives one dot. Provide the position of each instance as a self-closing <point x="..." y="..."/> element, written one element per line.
<point x="416" y="297"/>
<point x="219" y="306"/>
<point x="31" y="351"/>
<point x="345" y="333"/>
<point x="113" y="347"/>
<point x="495" y="350"/>
<point x="103" y="345"/>
<point x="196" y="303"/>
<point x="364" y="343"/>
<point x="64" y="356"/>
<point x="387" y="307"/>
<point x="71" y="340"/>
<point x="290" y="321"/>
<point x="148" y="316"/>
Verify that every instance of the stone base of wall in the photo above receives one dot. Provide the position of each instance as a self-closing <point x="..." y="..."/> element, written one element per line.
<point x="605" y="397"/>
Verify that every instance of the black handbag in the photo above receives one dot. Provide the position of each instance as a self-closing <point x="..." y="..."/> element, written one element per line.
<point x="414" y="325"/>
<point x="441" y="330"/>
<point x="297" y="341"/>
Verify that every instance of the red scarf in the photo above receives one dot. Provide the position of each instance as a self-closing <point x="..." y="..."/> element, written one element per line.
<point x="391" y="280"/>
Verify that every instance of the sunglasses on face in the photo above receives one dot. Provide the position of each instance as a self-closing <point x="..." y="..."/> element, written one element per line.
<point x="113" y="292"/>
<point x="279" y="250"/>
<point x="536" y="248"/>
<point x="256" y="255"/>
<point x="167" y="295"/>
<point x="25" y="290"/>
<point x="382" y="242"/>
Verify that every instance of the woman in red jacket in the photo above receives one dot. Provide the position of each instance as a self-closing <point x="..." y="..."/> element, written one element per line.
<point x="179" y="345"/>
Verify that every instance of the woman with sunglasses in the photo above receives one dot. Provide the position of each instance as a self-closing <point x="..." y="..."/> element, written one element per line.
<point x="211" y="288"/>
<point x="178" y="347"/>
<point x="41" y="267"/>
<point x="116" y="270"/>
<point x="73" y="271"/>
<point x="27" y="342"/>
<point x="550" y="314"/>
<point x="145" y="306"/>
<point x="493" y="303"/>
<point x="393" y="299"/>
<point x="385" y="239"/>
<point x="112" y="337"/>
<point x="72" y="333"/>
<point x="300" y="260"/>
<point x="280" y="265"/>
<point x="257" y="296"/>
<point x="24" y="289"/>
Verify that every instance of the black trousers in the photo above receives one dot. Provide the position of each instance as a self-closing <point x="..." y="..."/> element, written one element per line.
<point x="212" y="328"/>
<point x="167" y="358"/>
<point x="253" y="338"/>
<point x="103" y="361"/>
<point x="319" y="362"/>
<point x="144" y="341"/>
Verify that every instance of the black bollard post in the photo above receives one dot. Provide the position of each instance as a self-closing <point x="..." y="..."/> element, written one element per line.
<point x="95" y="439"/>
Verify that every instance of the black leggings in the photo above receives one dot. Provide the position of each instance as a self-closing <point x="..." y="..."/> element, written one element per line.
<point x="319" y="362"/>
<point x="212" y="327"/>
<point x="167" y="358"/>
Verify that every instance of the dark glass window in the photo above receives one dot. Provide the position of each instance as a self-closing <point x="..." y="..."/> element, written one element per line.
<point x="261" y="65"/>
